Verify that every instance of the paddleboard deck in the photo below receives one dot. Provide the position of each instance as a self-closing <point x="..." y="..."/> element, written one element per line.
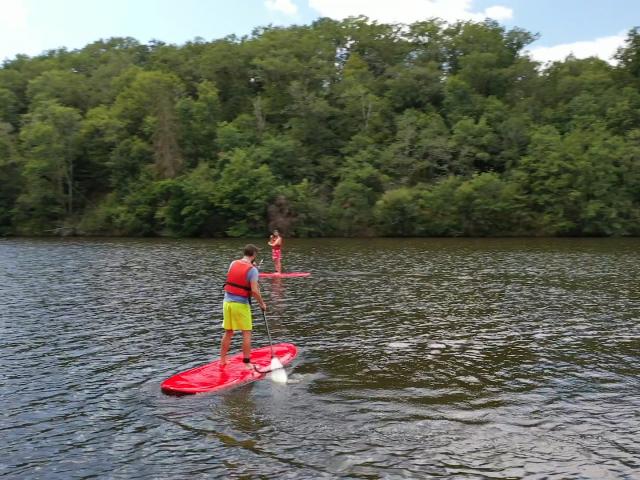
<point x="284" y="275"/>
<point x="214" y="377"/>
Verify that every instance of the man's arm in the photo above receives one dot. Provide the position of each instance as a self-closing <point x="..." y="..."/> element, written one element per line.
<point x="255" y="291"/>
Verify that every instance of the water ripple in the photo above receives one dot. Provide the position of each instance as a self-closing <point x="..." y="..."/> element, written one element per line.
<point x="418" y="359"/>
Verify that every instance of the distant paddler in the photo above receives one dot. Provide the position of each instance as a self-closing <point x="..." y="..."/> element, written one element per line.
<point x="275" y="242"/>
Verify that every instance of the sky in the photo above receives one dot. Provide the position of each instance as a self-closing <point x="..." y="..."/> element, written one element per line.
<point x="580" y="27"/>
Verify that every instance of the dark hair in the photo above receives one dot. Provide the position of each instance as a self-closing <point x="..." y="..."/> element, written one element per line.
<point x="250" y="250"/>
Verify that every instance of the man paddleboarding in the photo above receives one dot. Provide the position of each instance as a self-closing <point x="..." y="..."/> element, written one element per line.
<point x="240" y="286"/>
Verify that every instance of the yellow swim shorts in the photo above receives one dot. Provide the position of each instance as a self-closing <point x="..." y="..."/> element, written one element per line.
<point x="236" y="316"/>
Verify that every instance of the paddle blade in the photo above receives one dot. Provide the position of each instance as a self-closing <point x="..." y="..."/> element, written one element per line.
<point x="278" y="373"/>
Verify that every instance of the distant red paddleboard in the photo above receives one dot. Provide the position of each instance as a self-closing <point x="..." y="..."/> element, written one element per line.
<point x="213" y="377"/>
<point x="284" y="275"/>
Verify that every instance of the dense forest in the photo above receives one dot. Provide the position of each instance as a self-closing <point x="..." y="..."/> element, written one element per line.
<point x="349" y="128"/>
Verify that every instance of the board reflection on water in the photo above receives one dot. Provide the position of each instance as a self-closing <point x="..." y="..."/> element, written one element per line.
<point x="502" y="358"/>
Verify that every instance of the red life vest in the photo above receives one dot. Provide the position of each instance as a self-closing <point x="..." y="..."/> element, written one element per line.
<point x="237" y="283"/>
<point x="279" y="246"/>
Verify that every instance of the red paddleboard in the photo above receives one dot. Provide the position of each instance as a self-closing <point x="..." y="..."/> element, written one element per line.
<point x="284" y="275"/>
<point x="213" y="377"/>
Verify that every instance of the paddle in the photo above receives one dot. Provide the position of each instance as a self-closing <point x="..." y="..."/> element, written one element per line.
<point x="264" y="317"/>
<point x="278" y="373"/>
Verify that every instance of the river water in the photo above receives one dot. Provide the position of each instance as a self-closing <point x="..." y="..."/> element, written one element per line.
<point x="419" y="358"/>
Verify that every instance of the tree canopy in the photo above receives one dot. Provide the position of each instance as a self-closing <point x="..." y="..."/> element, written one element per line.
<point x="338" y="128"/>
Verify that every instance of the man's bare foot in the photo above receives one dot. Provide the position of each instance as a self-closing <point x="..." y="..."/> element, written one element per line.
<point x="223" y="361"/>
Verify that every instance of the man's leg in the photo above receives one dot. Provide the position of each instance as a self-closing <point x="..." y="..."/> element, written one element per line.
<point x="246" y="344"/>
<point x="224" y="346"/>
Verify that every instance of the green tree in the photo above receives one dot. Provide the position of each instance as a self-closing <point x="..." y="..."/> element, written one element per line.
<point x="50" y="145"/>
<point x="66" y="87"/>
<point x="422" y="150"/>
<point x="489" y="206"/>
<point x="414" y="86"/>
<point x="101" y="134"/>
<point x="440" y="215"/>
<point x="226" y="64"/>
<point x="147" y="106"/>
<point x="298" y="210"/>
<point x="9" y="107"/>
<point x="240" y="133"/>
<point x="187" y="207"/>
<point x="362" y="110"/>
<point x="243" y="193"/>
<point x="198" y="120"/>
<point x="623" y="115"/>
<point x="460" y="100"/>
<point x="483" y="55"/>
<point x="127" y="161"/>
<point x="572" y="183"/>
<point x="398" y="212"/>
<point x="310" y="124"/>
<point x="282" y="154"/>
<point x="361" y="184"/>
<point x="477" y="147"/>
<point x="348" y="127"/>
<point x="10" y="178"/>
<point x="628" y="57"/>
<point x="573" y="89"/>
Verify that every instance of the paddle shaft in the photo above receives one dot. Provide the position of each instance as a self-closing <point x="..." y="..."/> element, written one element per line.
<point x="268" y="332"/>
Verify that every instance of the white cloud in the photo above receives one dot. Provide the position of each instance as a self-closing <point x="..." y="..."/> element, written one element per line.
<point x="15" y="34"/>
<point x="603" y="48"/>
<point x="284" y="6"/>
<point x="13" y="15"/>
<point x="499" y="12"/>
<point x="407" y="11"/>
